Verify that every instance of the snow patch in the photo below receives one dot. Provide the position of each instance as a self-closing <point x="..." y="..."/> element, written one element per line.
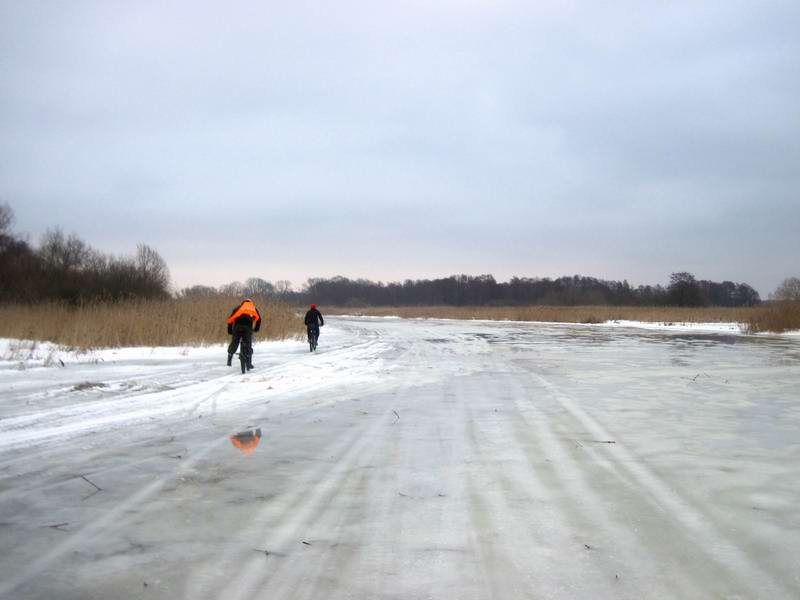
<point x="735" y="328"/>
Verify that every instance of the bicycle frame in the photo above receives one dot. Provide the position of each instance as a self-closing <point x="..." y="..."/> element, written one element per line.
<point x="313" y="337"/>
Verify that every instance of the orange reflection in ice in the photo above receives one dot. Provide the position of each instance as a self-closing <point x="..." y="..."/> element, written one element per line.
<point x="246" y="441"/>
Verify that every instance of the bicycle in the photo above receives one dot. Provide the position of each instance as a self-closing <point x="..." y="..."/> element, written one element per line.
<point x="245" y="353"/>
<point x="245" y="357"/>
<point x="313" y="338"/>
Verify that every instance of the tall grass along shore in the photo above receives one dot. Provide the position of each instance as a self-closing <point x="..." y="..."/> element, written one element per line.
<point x="170" y="322"/>
<point x="775" y="318"/>
<point x="177" y="322"/>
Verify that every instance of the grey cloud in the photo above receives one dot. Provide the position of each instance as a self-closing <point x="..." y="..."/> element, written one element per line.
<point x="620" y="139"/>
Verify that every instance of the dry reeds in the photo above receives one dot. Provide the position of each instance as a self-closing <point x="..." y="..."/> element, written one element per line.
<point x="777" y="317"/>
<point x="171" y="322"/>
<point x="176" y="322"/>
<point x="569" y="314"/>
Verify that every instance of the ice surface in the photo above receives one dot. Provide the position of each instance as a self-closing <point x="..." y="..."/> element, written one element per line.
<point x="406" y="459"/>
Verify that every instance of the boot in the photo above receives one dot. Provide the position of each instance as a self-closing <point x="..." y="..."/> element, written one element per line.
<point x="230" y="358"/>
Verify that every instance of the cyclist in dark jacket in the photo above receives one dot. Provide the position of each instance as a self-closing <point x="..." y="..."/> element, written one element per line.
<point x="314" y="320"/>
<point x="242" y="322"/>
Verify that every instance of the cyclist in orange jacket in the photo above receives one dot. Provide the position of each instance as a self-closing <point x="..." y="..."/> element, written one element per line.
<point x="242" y="322"/>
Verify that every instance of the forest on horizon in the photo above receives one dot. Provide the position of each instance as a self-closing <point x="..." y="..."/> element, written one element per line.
<point x="65" y="268"/>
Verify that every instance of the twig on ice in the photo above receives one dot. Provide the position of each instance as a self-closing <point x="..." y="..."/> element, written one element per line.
<point x="179" y="456"/>
<point x="87" y="480"/>
<point x="97" y="488"/>
<point x="396" y="415"/>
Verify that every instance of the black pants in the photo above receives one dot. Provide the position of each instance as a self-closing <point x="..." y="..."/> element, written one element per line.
<point x="244" y="335"/>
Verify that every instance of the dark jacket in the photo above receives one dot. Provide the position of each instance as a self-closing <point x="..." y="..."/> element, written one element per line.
<point x="314" y="318"/>
<point x="245" y="321"/>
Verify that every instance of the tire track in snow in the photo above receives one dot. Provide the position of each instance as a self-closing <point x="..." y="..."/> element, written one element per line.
<point x="583" y="519"/>
<point x="110" y="520"/>
<point x="526" y="498"/>
<point x="115" y="518"/>
<point x="34" y="455"/>
<point x="187" y="372"/>
<point x="499" y="572"/>
<point x="707" y="539"/>
<point x="299" y="516"/>
<point x="63" y="423"/>
<point x="354" y="543"/>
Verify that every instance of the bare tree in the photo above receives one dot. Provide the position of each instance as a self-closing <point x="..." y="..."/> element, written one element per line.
<point x="6" y="218"/>
<point x="152" y="268"/>
<point x="63" y="253"/>
<point x="259" y="287"/>
<point x="197" y="291"/>
<point x="788" y="290"/>
<point x="19" y="272"/>
<point x="283" y="287"/>
<point x="235" y="288"/>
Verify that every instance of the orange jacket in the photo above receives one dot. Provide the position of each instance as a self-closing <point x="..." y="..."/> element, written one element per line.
<point x="245" y="308"/>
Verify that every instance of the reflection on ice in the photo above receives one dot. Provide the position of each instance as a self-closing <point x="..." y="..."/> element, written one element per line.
<point x="247" y="441"/>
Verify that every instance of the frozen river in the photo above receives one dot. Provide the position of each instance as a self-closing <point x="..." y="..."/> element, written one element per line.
<point x="406" y="459"/>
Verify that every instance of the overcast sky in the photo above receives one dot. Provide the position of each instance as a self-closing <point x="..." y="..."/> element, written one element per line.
<point x="288" y="140"/>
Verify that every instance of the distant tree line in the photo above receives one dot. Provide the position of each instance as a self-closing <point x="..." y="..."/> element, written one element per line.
<point x="65" y="268"/>
<point x="255" y="286"/>
<point x="462" y="290"/>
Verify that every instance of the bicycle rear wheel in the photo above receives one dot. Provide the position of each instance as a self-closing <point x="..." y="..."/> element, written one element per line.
<point x="311" y="341"/>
